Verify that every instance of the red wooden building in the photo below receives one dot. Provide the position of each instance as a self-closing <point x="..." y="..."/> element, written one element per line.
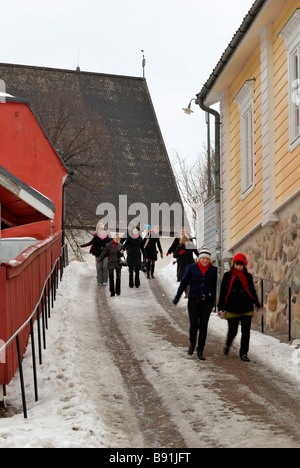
<point x="32" y="175"/>
<point x="27" y="153"/>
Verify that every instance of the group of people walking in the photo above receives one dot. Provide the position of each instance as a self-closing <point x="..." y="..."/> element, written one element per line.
<point x="236" y="301"/>
<point x="198" y="280"/>
<point x="141" y="253"/>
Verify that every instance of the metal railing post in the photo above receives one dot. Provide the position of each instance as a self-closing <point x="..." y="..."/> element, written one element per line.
<point x="21" y="377"/>
<point x="34" y="361"/>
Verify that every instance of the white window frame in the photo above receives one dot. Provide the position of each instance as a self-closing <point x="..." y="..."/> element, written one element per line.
<point x="245" y="100"/>
<point x="291" y="35"/>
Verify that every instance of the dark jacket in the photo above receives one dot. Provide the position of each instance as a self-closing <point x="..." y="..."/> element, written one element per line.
<point x="134" y="247"/>
<point x="175" y="244"/>
<point x="201" y="286"/>
<point x="239" y="301"/>
<point x="186" y="259"/>
<point x="97" y="245"/>
<point x="113" y="254"/>
<point x="151" y="244"/>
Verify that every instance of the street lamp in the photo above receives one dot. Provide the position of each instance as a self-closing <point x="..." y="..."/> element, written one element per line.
<point x="188" y="110"/>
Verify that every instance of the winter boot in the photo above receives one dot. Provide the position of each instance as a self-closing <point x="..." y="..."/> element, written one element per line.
<point x="200" y="355"/>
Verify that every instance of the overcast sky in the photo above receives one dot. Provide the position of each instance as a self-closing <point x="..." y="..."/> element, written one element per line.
<point x="182" y="40"/>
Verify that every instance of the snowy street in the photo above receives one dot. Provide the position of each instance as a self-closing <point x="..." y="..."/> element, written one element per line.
<point x="116" y="374"/>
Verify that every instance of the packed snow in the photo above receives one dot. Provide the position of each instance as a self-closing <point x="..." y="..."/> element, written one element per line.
<point x="81" y="389"/>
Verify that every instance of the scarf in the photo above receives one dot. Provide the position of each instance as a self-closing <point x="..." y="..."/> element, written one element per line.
<point x="242" y="277"/>
<point x="203" y="269"/>
<point x="115" y="244"/>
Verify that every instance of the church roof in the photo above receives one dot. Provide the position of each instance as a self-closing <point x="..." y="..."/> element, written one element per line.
<point x="115" y="143"/>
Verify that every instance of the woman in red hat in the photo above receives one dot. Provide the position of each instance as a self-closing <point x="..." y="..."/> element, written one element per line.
<point x="237" y="298"/>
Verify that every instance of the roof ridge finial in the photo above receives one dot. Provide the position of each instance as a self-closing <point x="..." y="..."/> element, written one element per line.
<point x="143" y="63"/>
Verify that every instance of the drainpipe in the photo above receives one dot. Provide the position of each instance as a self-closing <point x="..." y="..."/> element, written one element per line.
<point x="200" y="102"/>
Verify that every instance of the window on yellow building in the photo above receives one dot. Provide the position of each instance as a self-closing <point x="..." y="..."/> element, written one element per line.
<point x="247" y="151"/>
<point x="291" y="35"/>
<point x="295" y="95"/>
<point x="245" y="100"/>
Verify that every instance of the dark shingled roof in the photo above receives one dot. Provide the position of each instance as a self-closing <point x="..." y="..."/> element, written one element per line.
<point x="126" y="157"/>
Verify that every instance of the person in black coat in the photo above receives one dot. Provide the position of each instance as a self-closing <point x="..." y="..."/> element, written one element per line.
<point x="238" y="297"/>
<point x="185" y="256"/>
<point x="113" y="251"/>
<point x="134" y="247"/>
<point x="98" y="244"/>
<point x="174" y="247"/>
<point x="202" y="278"/>
<point x="151" y="244"/>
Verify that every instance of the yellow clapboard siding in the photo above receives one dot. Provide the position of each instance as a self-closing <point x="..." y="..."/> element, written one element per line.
<point x="289" y="171"/>
<point x="247" y="213"/>
<point x="289" y="192"/>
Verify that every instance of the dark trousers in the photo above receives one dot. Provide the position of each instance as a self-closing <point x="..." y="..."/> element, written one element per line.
<point x="150" y="265"/>
<point x="115" y="290"/>
<point x="199" y="314"/>
<point x="233" y="325"/>
<point x="134" y="281"/>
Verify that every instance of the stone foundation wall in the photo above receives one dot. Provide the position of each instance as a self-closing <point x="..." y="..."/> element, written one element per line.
<point x="274" y="253"/>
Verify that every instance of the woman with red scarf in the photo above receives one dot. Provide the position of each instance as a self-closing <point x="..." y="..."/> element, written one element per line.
<point x="237" y="298"/>
<point x="202" y="279"/>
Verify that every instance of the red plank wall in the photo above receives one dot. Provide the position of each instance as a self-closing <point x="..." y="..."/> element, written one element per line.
<point x="20" y="289"/>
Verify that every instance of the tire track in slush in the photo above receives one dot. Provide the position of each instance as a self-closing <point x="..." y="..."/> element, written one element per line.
<point x="155" y="421"/>
<point x="251" y="388"/>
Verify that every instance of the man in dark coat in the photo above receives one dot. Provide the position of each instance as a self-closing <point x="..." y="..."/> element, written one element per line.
<point x="134" y="247"/>
<point x="114" y="251"/>
<point x="151" y="244"/>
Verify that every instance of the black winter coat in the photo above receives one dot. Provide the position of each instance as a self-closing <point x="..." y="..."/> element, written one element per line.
<point x="186" y="259"/>
<point x="151" y="245"/>
<point x="113" y="254"/>
<point x="97" y="245"/>
<point x="239" y="301"/>
<point x="134" y="247"/>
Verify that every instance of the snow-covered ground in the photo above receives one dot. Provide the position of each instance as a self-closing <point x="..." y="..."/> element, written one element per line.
<point x="80" y="386"/>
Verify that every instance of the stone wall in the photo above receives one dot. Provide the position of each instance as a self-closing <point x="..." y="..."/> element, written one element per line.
<point x="273" y="254"/>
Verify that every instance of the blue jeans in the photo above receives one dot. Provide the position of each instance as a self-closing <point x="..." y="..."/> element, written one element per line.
<point x="102" y="271"/>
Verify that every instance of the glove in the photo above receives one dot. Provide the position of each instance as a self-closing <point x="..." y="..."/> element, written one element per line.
<point x="167" y="254"/>
<point x="182" y="252"/>
<point x="175" y="301"/>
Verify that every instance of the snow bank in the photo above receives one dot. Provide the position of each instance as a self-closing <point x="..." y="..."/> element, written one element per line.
<point x="64" y="416"/>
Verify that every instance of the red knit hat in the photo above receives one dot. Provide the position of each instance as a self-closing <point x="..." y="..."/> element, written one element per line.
<point x="240" y="258"/>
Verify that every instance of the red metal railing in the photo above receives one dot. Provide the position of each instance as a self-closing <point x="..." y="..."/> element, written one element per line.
<point x="25" y="284"/>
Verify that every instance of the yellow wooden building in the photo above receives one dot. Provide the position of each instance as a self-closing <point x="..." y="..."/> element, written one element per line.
<point x="257" y="83"/>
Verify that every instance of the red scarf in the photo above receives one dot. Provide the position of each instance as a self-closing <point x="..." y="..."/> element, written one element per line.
<point x="242" y="277"/>
<point x="115" y="244"/>
<point x="203" y="269"/>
